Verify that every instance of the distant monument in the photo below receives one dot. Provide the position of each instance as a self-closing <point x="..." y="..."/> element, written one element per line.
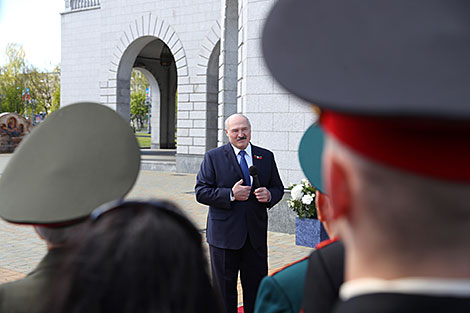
<point x="13" y="127"/>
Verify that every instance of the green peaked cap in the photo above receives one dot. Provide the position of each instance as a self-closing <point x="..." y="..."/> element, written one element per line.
<point x="80" y="157"/>
<point x="310" y="155"/>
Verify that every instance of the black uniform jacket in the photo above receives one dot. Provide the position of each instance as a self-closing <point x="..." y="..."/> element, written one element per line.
<point x="325" y="275"/>
<point x="403" y="303"/>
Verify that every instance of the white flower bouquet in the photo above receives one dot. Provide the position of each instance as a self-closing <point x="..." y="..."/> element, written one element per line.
<point x="302" y="200"/>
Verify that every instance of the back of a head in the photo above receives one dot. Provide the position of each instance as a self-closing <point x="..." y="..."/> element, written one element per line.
<point x="143" y="257"/>
<point x="397" y="105"/>
<point x="409" y="211"/>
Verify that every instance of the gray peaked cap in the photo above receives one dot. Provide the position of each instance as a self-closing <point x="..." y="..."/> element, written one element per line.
<point x="78" y="158"/>
<point x="373" y="57"/>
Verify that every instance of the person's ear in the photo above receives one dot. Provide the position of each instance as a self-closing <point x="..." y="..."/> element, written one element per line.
<point x="324" y="211"/>
<point x="320" y="204"/>
<point x="339" y="190"/>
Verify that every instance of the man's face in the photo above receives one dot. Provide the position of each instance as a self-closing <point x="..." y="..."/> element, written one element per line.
<point x="238" y="132"/>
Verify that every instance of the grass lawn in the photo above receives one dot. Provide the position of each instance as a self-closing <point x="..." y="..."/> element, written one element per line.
<point x="143" y="139"/>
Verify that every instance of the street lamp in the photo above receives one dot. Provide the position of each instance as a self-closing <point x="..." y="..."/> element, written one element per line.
<point x="148" y="102"/>
<point x="33" y="103"/>
<point x="17" y="107"/>
<point x="26" y="97"/>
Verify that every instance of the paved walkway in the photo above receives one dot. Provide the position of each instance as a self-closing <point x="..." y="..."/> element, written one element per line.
<point x="21" y="250"/>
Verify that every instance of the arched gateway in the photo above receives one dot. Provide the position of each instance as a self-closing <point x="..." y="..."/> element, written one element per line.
<point x="203" y="54"/>
<point x="151" y="46"/>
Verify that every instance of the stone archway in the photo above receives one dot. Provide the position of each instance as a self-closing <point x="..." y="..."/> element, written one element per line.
<point x="212" y="98"/>
<point x="228" y="91"/>
<point x="156" y="60"/>
<point x="208" y="68"/>
<point x="152" y="46"/>
<point x="153" y="57"/>
<point x="155" y="110"/>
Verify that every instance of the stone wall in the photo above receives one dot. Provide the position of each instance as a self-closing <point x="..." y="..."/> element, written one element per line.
<point x="281" y="218"/>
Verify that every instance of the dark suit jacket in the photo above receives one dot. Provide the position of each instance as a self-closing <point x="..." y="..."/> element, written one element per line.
<point x="229" y="222"/>
<point x="27" y="295"/>
<point x="403" y="303"/>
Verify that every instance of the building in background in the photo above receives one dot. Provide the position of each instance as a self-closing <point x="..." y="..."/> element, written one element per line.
<point x="203" y="61"/>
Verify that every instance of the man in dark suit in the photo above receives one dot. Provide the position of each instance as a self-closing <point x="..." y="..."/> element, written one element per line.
<point x="237" y="219"/>
<point x="392" y="80"/>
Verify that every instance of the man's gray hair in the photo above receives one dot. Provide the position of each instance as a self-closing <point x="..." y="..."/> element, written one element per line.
<point x="227" y="121"/>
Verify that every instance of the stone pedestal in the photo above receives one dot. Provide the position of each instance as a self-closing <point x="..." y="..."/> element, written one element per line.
<point x="309" y="232"/>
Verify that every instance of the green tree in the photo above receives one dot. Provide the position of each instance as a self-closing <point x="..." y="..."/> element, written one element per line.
<point x="138" y="81"/>
<point x="12" y="101"/>
<point x="139" y="110"/>
<point x="17" y="75"/>
<point x="45" y="90"/>
<point x="56" y="99"/>
<point x="12" y="77"/>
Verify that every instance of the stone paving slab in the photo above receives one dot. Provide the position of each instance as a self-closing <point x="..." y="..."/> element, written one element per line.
<point x="21" y="249"/>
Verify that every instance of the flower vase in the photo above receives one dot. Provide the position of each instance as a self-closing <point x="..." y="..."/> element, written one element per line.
<point x="309" y="232"/>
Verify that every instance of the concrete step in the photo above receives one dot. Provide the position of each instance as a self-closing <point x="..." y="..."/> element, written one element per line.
<point x="160" y="166"/>
<point x="162" y="160"/>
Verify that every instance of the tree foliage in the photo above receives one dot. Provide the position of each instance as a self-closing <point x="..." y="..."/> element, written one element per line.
<point x="138" y="81"/>
<point x="11" y="82"/>
<point x="43" y="86"/>
<point x="139" y="110"/>
<point x="17" y="75"/>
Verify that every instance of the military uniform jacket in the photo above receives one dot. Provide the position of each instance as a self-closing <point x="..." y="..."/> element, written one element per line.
<point x="282" y="292"/>
<point x="27" y="295"/>
<point x="325" y="275"/>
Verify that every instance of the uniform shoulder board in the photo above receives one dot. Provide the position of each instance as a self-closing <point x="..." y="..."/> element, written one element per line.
<point x="325" y="243"/>
<point x="288" y="265"/>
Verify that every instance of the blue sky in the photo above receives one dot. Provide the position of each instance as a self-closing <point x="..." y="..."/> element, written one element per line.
<point x="35" y="25"/>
